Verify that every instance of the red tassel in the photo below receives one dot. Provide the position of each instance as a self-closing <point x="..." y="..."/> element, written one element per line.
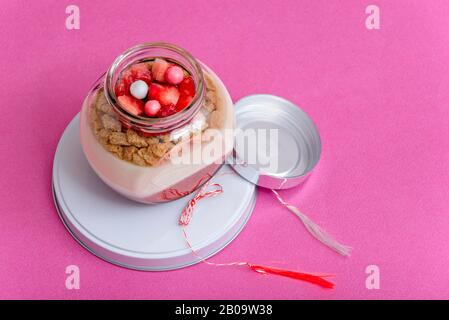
<point x="186" y="216"/>
<point x="315" y="279"/>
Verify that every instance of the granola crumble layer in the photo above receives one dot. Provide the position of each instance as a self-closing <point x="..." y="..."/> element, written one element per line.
<point x="129" y="145"/>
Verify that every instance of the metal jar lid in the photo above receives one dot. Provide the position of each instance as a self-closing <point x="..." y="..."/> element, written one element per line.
<point x="277" y="145"/>
<point x="137" y="236"/>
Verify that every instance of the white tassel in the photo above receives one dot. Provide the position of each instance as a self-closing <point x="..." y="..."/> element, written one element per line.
<point x="315" y="230"/>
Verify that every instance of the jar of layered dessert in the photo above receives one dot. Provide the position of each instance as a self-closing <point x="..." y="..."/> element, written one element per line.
<point x="158" y="124"/>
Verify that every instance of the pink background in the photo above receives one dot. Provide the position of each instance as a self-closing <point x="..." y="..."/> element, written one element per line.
<point x="379" y="98"/>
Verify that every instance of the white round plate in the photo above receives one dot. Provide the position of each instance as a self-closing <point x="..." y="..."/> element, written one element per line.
<point x="139" y="236"/>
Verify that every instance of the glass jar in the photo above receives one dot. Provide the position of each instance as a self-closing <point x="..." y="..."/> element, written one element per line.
<point x="154" y="160"/>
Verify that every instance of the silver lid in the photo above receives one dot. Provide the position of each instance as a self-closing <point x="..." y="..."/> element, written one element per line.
<point x="142" y="237"/>
<point x="277" y="145"/>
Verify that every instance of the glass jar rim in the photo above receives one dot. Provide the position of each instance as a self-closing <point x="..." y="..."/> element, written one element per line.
<point x="170" y="122"/>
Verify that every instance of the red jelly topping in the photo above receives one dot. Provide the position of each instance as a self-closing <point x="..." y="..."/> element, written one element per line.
<point x="174" y="91"/>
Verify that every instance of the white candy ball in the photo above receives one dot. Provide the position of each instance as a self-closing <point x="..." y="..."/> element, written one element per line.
<point x="139" y="89"/>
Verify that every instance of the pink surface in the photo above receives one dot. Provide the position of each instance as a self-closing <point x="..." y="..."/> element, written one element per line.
<point x="379" y="98"/>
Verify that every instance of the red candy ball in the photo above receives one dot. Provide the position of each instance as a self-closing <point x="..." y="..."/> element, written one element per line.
<point x="174" y="75"/>
<point x="152" y="108"/>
